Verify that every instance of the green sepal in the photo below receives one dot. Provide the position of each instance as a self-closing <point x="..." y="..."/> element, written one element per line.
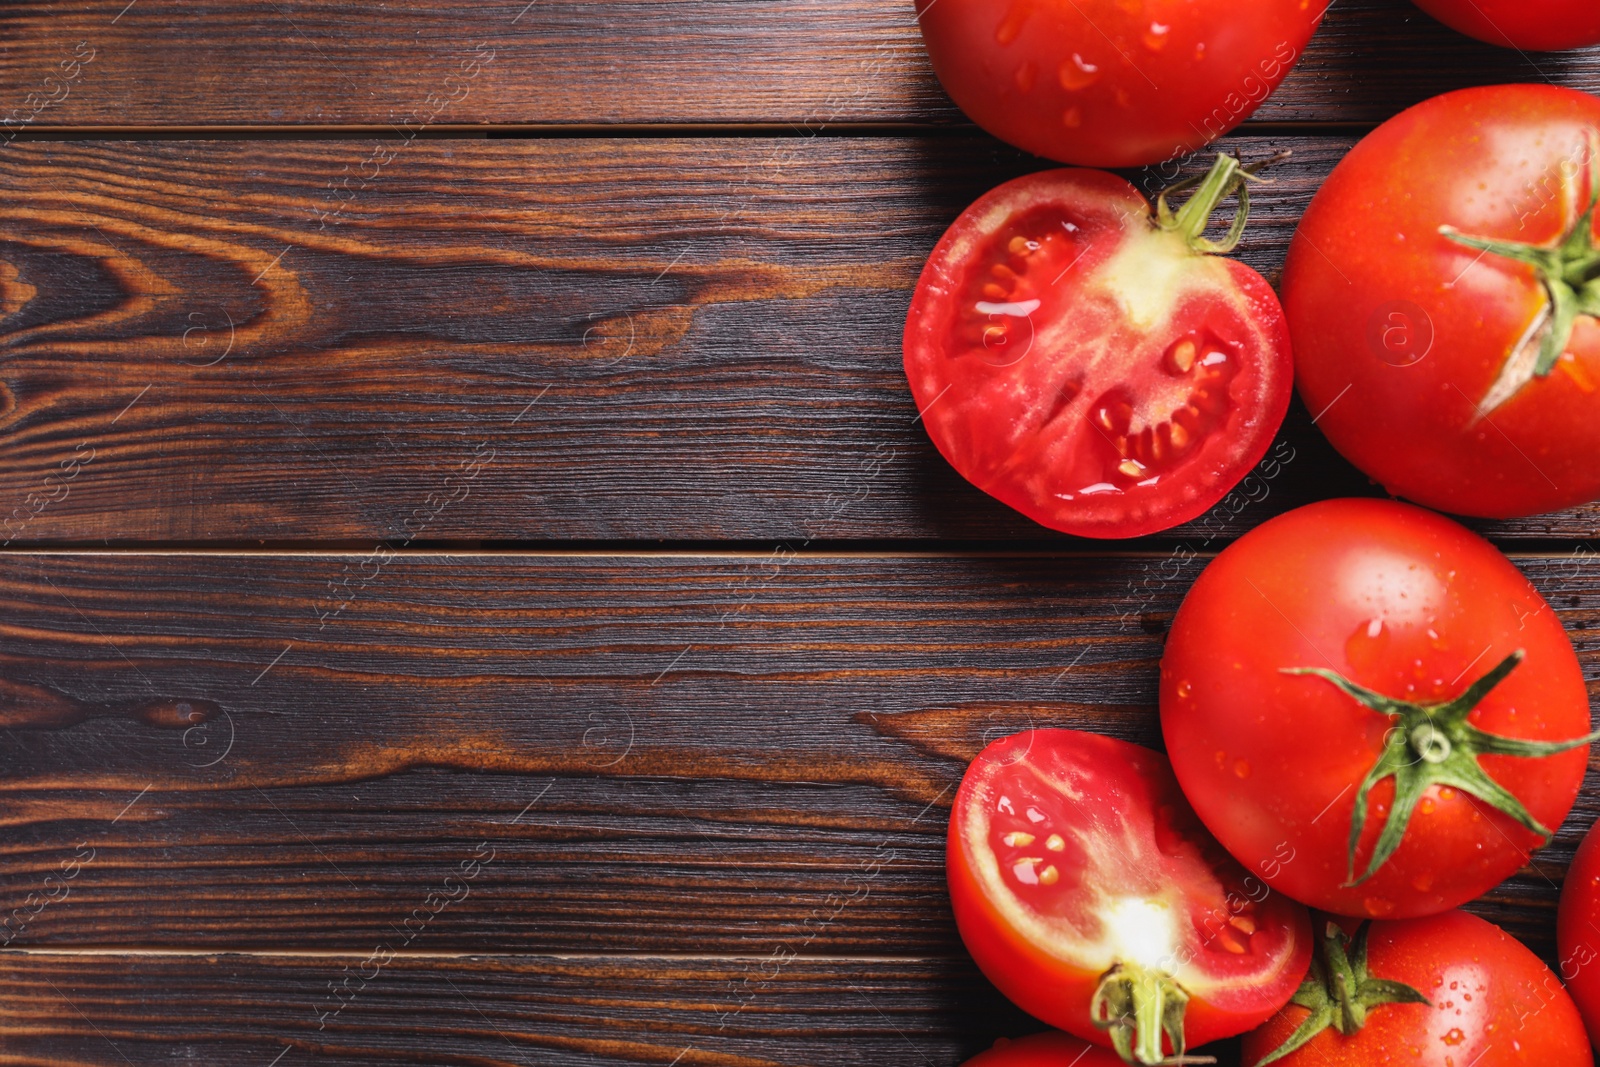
<point x="1339" y="992"/>
<point x="1435" y="745"/>
<point x="1569" y="271"/>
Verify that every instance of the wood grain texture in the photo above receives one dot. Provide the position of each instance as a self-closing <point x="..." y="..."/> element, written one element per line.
<point x="638" y="754"/>
<point x="536" y="341"/>
<point x="494" y="1011"/>
<point x="420" y="62"/>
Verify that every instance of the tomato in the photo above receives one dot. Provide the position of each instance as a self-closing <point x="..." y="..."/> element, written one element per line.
<point x="1420" y="288"/>
<point x="1044" y="1050"/>
<point x="1527" y="25"/>
<point x="1578" y="931"/>
<point x="1486" y="1002"/>
<point x="1370" y="706"/>
<point x="1088" y="893"/>
<point x="1091" y="365"/>
<point x="1108" y="83"/>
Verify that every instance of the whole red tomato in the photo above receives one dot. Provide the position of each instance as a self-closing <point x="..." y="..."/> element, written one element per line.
<point x="1088" y="893"/>
<point x="1441" y="295"/>
<point x="1527" y="25"/>
<point x="1449" y="990"/>
<point x="1091" y="364"/>
<point x="1109" y="83"/>
<point x="1051" y="1049"/>
<point x="1372" y="708"/>
<point x="1578" y="931"/>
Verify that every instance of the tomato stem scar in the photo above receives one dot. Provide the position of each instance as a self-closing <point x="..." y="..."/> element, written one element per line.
<point x="1226" y="176"/>
<point x="1138" y="1005"/>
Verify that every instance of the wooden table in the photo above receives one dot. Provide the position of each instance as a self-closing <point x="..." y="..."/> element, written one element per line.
<point x="475" y="590"/>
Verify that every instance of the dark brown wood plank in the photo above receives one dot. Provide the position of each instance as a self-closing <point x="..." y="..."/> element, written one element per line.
<point x="641" y="754"/>
<point x="421" y="62"/>
<point x="494" y="1010"/>
<point x="550" y="340"/>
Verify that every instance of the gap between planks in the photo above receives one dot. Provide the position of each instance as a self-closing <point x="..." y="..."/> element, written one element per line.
<point x="580" y="957"/>
<point x="1524" y="551"/>
<point x="545" y="131"/>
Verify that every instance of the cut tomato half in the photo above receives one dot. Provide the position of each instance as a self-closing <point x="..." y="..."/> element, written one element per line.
<point x="1094" y="365"/>
<point x="1089" y="893"/>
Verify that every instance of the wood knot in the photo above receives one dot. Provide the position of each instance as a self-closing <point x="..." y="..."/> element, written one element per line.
<point x="14" y="292"/>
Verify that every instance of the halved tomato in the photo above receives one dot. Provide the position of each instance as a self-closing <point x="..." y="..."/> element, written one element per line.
<point x="1089" y="893"/>
<point x="1092" y="364"/>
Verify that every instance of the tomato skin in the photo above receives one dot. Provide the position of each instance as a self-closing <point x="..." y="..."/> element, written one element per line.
<point x="1101" y="326"/>
<point x="1494" y="1004"/>
<point x="1396" y="599"/>
<point x="1370" y="284"/>
<point x="1578" y="931"/>
<point x="1103" y="83"/>
<point x="1528" y="25"/>
<point x="1049" y="1049"/>
<point x="1229" y="994"/>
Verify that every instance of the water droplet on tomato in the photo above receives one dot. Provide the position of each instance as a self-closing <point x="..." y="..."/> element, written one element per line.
<point x="1377" y="907"/>
<point x="1184" y="689"/>
<point x="1155" y="36"/>
<point x="1365" y="647"/>
<point x="1072" y="118"/>
<point x="1011" y="25"/>
<point x="1454" y="1036"/>
<point x="1027" y="76"/>
<point x="1078" y="74"/>
<point x="1241" y="769"/>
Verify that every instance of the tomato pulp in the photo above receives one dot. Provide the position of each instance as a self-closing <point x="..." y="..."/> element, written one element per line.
<point x="1527" y="25"/>
<point x="1088" y="892"/>
<point x="1371" y="707"/>
<point x="1442" y="291"/>
<point x="1474" y="997"/>
<point x="1107" y="83"/>
<point x="1094" y="366"/>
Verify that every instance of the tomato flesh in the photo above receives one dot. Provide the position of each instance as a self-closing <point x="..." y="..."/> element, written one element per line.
<point x="1401" y="601"/>
<point x="1528" y="25"/>
<point x="1492" y="1003"/>
<point x="1086" y="367"/>
<point x="1071" y="854"/>
<point x="1107" y="83"/>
